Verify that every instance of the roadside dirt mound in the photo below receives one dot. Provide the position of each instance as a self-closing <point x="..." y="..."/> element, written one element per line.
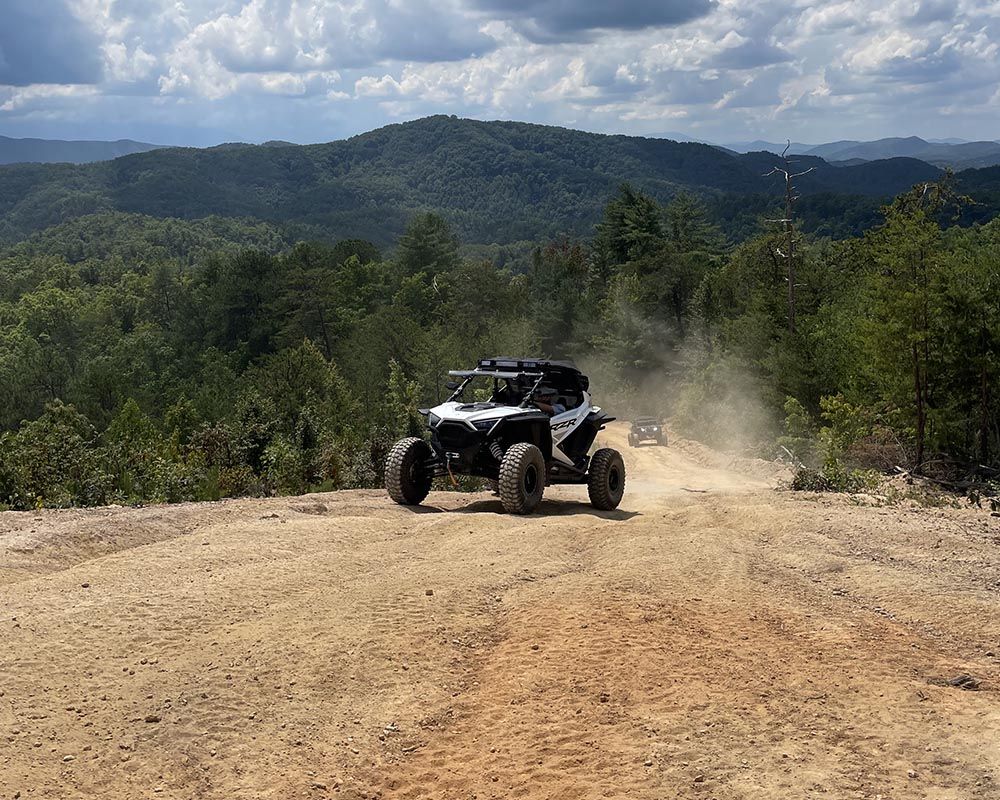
<point x="710" y="638"/>
<point x="770" y="472"/>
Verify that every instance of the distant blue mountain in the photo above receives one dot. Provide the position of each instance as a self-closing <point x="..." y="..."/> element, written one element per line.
<point x="957" y="156"/>
<point x="955" y="153"/>
<point x="758" y="145"/>
<point x="55" y="151"/>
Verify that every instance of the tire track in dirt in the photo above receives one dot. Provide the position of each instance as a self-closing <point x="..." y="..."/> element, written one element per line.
<point x="733" y="642"/>
<point x="622" y="688"/>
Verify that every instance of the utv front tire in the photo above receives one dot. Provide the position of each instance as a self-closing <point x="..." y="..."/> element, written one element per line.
<point x="522" y="478"/>
<point x="407" y="480"/>
<point x="606" y="479"/>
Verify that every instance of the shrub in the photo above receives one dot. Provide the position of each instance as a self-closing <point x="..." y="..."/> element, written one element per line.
<point x="53" y="461"/>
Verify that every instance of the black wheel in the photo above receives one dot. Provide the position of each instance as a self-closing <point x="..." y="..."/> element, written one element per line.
<point x="522" y="478"/>
<point x="407" y="480"/>
<point x="606" y="479"/>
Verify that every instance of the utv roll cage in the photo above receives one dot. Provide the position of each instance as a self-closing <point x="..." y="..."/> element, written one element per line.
<point x="524" y="377"/>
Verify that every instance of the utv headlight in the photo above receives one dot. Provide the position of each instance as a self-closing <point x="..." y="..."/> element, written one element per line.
<point x="433" y="419"/>
<point x="484" y="424"/>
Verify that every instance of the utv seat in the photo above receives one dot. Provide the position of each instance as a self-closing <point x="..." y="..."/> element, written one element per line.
<point x="571" y="399"/>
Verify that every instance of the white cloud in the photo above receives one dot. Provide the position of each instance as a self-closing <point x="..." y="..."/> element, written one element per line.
<point x="325" y="68"/>
<point x="123" y="64"/>
<point x="891" y="47"/>
<point x="40" y="97"/>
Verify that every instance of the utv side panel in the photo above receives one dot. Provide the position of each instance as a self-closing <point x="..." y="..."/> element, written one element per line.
<point x="578" y="443"/>
<point x="533" y="427"/>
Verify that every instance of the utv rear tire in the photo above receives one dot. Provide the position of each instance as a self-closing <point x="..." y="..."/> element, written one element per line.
<point x="522" y="478"/>
<point x="606" y="479"/>
<point x="407" y="480"/>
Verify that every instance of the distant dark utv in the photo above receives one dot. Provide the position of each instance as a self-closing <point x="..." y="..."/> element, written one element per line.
<point x="646" y="429"/>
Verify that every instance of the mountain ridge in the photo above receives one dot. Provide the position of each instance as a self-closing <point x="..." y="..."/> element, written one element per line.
<point x="957" y="154"/>
<point x="496" y="182"/>
<point x="68" y="151"/>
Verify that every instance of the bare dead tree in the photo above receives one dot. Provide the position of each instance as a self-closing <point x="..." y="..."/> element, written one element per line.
<point x="789" y="225"/>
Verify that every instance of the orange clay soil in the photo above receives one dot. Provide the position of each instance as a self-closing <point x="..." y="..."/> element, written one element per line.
<point x="733" y="641"/>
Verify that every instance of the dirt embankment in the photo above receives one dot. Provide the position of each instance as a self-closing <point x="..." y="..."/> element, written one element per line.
<point x="711" y="638"/>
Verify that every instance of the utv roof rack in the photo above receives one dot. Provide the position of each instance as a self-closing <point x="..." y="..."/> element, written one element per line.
<point x="509" y="363"/>
<point x="560" y="371"/>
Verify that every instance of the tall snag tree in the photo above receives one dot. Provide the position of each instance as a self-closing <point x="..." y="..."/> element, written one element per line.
<point x="788" y="224"/>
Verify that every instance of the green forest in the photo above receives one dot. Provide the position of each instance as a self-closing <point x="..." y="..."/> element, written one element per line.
<point x="157" y="360"/>
<point x="494" y="182"/>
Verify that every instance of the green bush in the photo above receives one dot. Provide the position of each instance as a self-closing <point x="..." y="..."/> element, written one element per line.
<point x="834" y="477"/>
<point x="800" y="432"/>
<point x="53" y="461"/>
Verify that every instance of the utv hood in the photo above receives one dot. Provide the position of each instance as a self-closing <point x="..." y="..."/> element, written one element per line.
<point x="472" y="413"/>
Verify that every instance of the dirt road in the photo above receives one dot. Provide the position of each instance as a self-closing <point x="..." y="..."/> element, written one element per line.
<point x="728" y="642"/>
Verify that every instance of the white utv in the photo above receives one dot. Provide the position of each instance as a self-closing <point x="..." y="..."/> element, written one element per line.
<point x="493" y="426"/>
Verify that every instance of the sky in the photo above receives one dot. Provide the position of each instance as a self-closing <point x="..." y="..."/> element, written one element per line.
<point x="201" y="72"/>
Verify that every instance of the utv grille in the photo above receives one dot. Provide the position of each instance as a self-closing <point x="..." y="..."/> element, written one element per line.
<point x="456" y="436"/>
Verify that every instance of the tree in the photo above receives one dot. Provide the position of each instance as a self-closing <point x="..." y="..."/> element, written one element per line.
<point x="631" y="229"/>
<point x="54" y="460"/>
<point x="428" y="246"/>
<point x="135" y="457"/>
<point x="788" y="224"/>
<point x="903" y="300"/>
<point x="968" y="324"/>
<point x="402" y="399"/>
<point x="241" y="295"/>
<point x="688" y="228"/>
<point x="558" y="277"/>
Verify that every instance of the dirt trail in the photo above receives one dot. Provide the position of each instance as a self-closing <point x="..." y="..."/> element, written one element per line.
<point x="727" y="642"/>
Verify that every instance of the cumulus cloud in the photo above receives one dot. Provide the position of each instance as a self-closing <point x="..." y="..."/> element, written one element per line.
<point x="52" y="95"/>
<point x="571" y="20"/>
<point x="42" y="41"/>
<point x="287" y="35"/>
<point x="311" y="70"/>
<point x="267" y="37"/>
<point x="749" y="54"/>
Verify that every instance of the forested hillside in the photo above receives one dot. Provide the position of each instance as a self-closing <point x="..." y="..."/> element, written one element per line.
<point x="146" y="360"/>
<point x="203" y="323"/>
<point x="494" y="182"/>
